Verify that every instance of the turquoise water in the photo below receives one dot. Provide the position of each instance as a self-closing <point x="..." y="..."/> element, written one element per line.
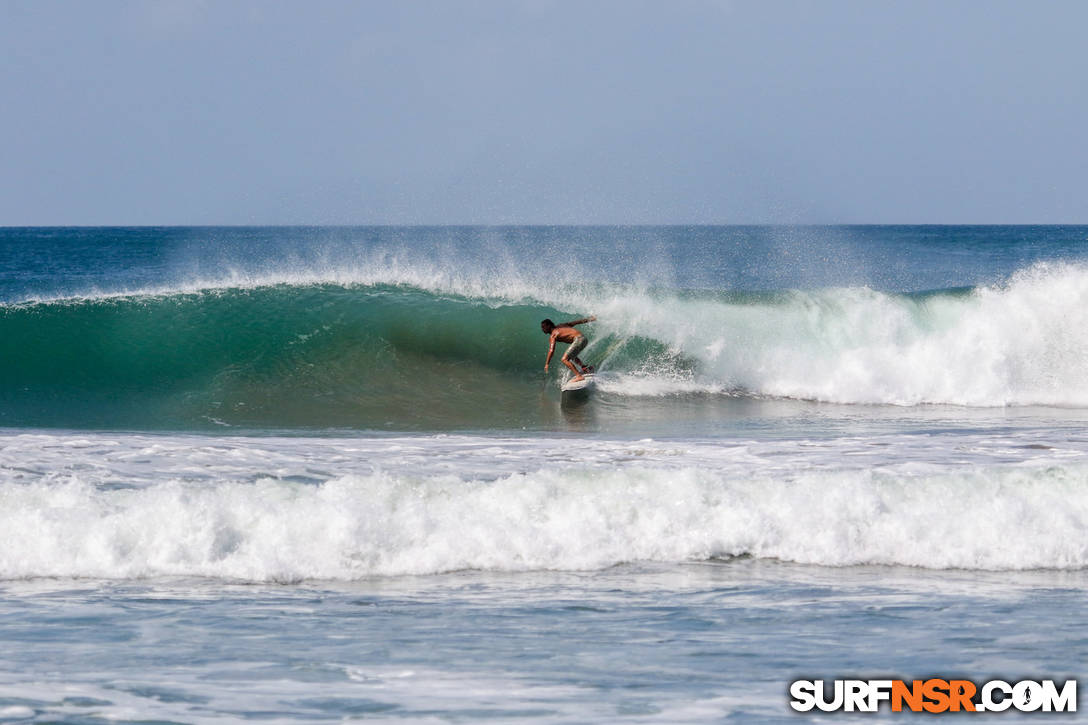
<point x="305" y="474"/>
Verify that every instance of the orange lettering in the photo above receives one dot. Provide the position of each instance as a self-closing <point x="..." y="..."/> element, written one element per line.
<point x="961" y="692"/>
<point x="936" y="691"/>
<point x="912" y="695"/>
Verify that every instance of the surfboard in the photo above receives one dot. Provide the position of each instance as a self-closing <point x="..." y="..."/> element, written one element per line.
<point x="587" y="383"/>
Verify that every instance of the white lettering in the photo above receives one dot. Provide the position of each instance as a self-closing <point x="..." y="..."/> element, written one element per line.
<point x="988" y="702"/>
<point x="1027" y="696"/>
<point x="803" y="693"/>
<point x="879" y="691"/>
<point x="1065" y="701"/>
<point x="835" y="703"/>
<point x="856" y="695"/>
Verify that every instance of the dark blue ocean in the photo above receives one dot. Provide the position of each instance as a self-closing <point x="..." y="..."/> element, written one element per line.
<point x="306" y="474"/>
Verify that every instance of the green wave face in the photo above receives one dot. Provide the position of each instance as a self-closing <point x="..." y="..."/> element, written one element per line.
<point x="282" y="356"/>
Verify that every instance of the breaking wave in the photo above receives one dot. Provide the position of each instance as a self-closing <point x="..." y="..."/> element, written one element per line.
<point x="409" y="351"/>
<point x="356" y="526"/>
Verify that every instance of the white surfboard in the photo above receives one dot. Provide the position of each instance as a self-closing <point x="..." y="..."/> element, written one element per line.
<point x="587" y="383"/>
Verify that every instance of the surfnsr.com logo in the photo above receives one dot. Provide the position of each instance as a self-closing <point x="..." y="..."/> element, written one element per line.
<point x="933" y="695"/>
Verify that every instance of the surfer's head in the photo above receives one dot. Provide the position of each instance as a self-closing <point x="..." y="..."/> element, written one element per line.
<point x="547" y="326"/>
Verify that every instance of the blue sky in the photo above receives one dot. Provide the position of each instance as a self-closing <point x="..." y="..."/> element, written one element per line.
<point x="540" y="111"/>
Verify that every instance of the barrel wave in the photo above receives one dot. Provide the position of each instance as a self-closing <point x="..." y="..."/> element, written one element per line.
<point x="277" y="355"/>
<point x="392" y="355"/>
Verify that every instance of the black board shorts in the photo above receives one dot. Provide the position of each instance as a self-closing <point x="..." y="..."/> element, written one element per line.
<point x="576" y="347"/>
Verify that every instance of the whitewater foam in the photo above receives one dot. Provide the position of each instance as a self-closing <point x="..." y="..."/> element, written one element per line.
<point x="359" y="526"/>
<point x="283" y="510"/>
<point x="1021" y="343"/>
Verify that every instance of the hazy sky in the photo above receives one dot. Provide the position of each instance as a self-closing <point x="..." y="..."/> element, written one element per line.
<point x="538" y="111"/>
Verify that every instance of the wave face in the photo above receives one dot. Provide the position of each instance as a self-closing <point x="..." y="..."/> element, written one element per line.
<point x="424" y="354"/>
<point x="277" y="355"/>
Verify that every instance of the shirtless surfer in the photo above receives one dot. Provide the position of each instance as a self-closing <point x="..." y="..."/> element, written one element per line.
<point x="565" y="332"/>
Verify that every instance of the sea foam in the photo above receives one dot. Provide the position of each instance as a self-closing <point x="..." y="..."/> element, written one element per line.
<point x="1024" y="342"/>
<point x="356" y="526"/>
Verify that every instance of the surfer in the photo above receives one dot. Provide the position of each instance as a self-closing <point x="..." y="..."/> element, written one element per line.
<point x="565" y="332"/>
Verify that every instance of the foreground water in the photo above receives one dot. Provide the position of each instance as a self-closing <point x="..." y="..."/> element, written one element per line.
<point x="295" y="475"/>
<point x="695" y="642"/>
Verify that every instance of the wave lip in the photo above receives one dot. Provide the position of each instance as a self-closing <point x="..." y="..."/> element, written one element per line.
<point x="363" y="525"/>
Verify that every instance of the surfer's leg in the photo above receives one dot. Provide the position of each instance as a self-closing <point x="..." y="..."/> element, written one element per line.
<point x="569" y="364"/>
<point x="572" y="352"/>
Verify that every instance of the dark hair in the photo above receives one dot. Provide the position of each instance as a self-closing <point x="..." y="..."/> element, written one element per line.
<point x="547" y="324"/>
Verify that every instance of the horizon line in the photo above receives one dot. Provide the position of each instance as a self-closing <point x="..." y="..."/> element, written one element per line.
<point x="439" y="225"/>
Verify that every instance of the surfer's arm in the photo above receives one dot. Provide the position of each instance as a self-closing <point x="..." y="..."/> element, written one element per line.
<point x="591" y="318"/>
<point x="551" y="349"/>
